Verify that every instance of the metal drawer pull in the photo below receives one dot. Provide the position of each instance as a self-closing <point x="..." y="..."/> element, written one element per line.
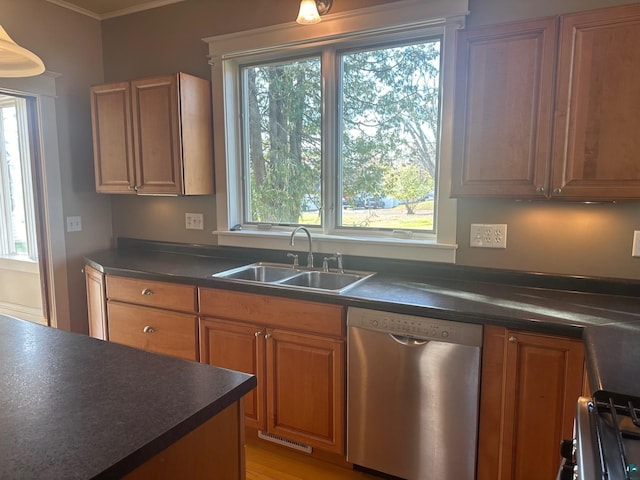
<point x="146" y="291"/>
<point x="267" y="336"/>
<point x="257" y="334"/>
<point x="513" y="339"/>
<point x="148" y="329"/>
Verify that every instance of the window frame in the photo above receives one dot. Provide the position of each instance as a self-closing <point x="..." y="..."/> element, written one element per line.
<point x="363" y="27"/>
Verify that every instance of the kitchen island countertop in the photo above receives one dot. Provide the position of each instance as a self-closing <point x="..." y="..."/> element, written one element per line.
<point x="76" y="407"/>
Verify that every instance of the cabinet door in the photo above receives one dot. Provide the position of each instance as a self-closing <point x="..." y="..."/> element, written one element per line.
<point x="502" y="124"/>
<point x="156" y="134"/>
<point x="153" y="329"/>
<point x="306" y="389"/>
<point x="530" y="384"/>
<point x="237" y="346"/>
<point x="112" y="140"/>
<point x="96" y="303"/>
<point x="596" y="144"/>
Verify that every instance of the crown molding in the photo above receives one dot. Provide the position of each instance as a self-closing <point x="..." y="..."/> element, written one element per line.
<point x="115" y="13"/>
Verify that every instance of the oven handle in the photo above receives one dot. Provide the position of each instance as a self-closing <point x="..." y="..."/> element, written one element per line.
<point x="408" y="341"/>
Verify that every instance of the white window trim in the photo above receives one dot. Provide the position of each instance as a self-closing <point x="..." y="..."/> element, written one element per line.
<point x="417" y="16"/>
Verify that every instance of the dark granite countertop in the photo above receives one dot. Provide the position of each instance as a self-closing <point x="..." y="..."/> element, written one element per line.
<point x="74" y="407"/>
<point x="602" y="311"/>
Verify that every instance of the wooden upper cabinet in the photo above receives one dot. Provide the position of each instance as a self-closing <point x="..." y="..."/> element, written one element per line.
<point x="112" y="141"/>
<point x="596" y="143"/>
<point x="153" y="136"/>
<point x="503" y="113"/>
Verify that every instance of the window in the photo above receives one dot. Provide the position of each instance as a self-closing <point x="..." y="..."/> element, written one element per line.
<point x="389" y="117"/>
<point x="346" y="131"/>
<point x="282" y="155"/>
<point x="17" y="218"/>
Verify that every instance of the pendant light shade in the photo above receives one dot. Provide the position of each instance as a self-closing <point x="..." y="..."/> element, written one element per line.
<point x="310" y="11"/>
<point x="16" y="61"/>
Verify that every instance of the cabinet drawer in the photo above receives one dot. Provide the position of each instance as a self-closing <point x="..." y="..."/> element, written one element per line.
<point x="274" y="311"/>
<point x="153" y="294"/>
<point x="153" y="330"/>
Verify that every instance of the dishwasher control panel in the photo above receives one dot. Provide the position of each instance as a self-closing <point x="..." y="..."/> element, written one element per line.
<point x="414" y="326"/>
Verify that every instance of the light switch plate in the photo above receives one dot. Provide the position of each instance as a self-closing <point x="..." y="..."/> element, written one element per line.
<point x="74" y="224"/>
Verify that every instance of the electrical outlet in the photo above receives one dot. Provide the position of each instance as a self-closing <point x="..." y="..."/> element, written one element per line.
<point x="488" y="235"/>
<point x="74" y="224"/>
<point x="194" y="221"/>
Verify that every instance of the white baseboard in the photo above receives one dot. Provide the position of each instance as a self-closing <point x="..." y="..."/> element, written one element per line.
<point x="23" y="312"/>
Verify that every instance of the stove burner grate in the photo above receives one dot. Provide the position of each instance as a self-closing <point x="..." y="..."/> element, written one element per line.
<point x="622" y="412"/>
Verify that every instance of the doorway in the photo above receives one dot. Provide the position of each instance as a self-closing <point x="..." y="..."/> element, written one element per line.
<point x="40" y="240"/>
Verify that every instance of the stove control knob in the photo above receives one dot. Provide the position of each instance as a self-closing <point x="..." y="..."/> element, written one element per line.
<point x="567" y="450"/>
<point x="568" y="467"/>
<point x="567" y="473"/>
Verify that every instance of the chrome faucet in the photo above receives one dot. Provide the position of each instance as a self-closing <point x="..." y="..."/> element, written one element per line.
<point x="305" y="230"/>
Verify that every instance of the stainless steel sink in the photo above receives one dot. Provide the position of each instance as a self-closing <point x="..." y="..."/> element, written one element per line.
<point x="296" y="278"/>
<point x="259" y="272"/>
<point x="325" y="280"/>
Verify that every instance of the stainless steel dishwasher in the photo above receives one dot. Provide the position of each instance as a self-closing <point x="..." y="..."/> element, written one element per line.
<point x="412" y="395"/>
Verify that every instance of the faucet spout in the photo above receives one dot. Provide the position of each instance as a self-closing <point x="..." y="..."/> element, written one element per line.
<point x="292" y="240"/>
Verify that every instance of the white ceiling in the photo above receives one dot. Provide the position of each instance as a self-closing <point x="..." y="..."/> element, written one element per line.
<point x="102" y="9"/>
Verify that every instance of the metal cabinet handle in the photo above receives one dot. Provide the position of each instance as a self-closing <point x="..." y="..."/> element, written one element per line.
<point x="257" y="334"/>
<point x="148" y="329"/>
<point x="146" y="291"/>
<point x="513" y="339"/>
<point x="540" y="189"/>
<point x="557" y="191"/>
<point x="267" y="336"/>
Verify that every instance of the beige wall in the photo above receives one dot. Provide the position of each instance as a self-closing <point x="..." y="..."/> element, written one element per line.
<point x="552" y="237"/>
<point x="70" y="45"/>
<point x="20" y="294"/>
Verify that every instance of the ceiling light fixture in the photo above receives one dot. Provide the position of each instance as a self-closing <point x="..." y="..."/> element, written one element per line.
<point x="310" y="11"/>
<point x="16" y="61"/>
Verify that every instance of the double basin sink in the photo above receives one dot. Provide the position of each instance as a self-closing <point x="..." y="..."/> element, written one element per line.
<point x="288" y="276"/>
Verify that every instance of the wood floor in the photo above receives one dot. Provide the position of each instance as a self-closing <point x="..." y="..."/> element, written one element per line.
<point x="275" y="464"/>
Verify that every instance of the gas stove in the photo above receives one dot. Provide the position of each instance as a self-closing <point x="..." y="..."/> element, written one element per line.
<point x="606" y="444"/>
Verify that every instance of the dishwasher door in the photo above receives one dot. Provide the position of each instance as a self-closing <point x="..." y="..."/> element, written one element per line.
<point x="412" y="404"/>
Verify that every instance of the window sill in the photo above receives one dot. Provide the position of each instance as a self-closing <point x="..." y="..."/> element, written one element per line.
<point x="19" y="264"/>
<point x="402" y="249"/>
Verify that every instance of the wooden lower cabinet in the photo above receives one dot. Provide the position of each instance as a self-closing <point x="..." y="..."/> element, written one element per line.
<point x="153" y="330"/>
<point x="96" y="303"/>
<point x="299" y="361"/>
<point x="530" y="384"/>
<point x="238" y="346"/>
<point x="305" y="388"/>
<point x="213" y="450"/>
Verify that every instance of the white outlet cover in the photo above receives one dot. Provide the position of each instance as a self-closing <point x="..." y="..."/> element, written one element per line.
<point x="194" y="221"/>
<point x="485" y="235"/>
